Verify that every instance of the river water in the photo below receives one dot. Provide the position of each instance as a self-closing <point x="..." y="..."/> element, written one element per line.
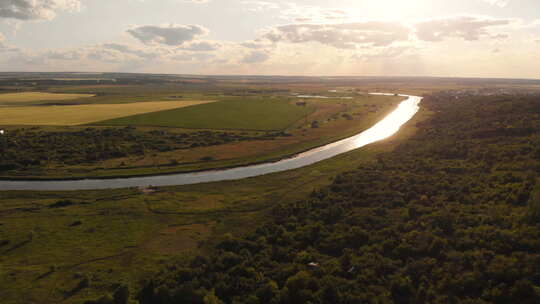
<point x="383" y="129"/>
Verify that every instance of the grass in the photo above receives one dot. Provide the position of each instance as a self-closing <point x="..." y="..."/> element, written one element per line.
<point x="235" y="114"/>
<point x="13" y="98"/>
<point x="83" y="114"/>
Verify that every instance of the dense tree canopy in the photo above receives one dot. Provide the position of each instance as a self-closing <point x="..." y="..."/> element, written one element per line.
<point x="36" y="148"/>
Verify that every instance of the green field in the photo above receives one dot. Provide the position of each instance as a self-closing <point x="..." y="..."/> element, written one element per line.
<point x="238" y="114"/>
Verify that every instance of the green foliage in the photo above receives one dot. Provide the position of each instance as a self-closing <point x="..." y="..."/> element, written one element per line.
<point x="35" y="148"/>
<point x="211" y="298"/>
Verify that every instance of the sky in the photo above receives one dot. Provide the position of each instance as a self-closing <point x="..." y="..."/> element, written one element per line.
<point x="458" y="38"/>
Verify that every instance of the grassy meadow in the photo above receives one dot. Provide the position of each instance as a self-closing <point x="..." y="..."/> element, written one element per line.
<point x="235" y="114"/>
<point x="71" y="115"/>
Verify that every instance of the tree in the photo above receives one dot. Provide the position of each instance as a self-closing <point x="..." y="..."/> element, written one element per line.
<point x="268" y="293"/>
<point x="211" y="298"/>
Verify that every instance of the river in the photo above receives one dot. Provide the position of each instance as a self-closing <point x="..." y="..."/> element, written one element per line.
<point x="383" y="129"/>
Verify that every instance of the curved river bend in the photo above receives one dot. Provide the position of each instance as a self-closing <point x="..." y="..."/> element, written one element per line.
<point x="383" y="129"/>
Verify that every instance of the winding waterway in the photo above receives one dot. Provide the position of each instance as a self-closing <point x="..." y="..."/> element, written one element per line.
<point x="383" y="129"/>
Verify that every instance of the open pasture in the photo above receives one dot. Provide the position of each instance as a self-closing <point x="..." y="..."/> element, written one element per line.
<point x="84" y="114"/>
<point x="237" y="114"/>
<point x="14" y="98"/>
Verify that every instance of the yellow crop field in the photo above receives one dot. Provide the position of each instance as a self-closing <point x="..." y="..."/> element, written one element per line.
<point x="83" y="114"/>
<point x="38" y="96"/>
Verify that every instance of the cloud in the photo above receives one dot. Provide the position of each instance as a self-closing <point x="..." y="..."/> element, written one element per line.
<point x="171" y="35"/>
<point x="256" y="57"/>
<point x="36" y="9"/>
<point x="107" y="52"/>
<point x="65" y="55"/>
<point x="192" y="57"/>
<point x="257" y="44"/>
<point x="201" y="46"/>
<point x="126" y="49"/>
<point x="341" y="35"/>
<point x="469" y="28"/>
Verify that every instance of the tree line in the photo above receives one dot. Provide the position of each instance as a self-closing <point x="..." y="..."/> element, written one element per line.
<point x="36" y="148"/>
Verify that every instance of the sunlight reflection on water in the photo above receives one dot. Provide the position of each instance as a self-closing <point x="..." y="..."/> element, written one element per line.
<point x="390" y="124"/>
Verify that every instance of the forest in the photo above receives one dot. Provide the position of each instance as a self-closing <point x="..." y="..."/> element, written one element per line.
<point x="450" y="216"/>
<point x="34" y="148"/>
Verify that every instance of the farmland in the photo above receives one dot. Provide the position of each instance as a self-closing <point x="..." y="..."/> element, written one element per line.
<point x="71" y="115"/>
<point x="15" y="98"/>
<point x="236" y="114"/>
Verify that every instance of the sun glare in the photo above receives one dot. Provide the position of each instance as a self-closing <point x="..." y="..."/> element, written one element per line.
<point x="386" y="9"/>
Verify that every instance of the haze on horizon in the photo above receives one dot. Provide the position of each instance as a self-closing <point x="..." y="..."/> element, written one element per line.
<point x="461" y="38"/>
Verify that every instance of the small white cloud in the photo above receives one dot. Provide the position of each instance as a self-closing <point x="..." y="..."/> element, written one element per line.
<point x="126" y="49"/>
<point x="188" y="56"/>
<point x="107" y="52"/>
<point x="172" y="35"/>
<point x="65" y="55"/>
<point x="201" y="46"/>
